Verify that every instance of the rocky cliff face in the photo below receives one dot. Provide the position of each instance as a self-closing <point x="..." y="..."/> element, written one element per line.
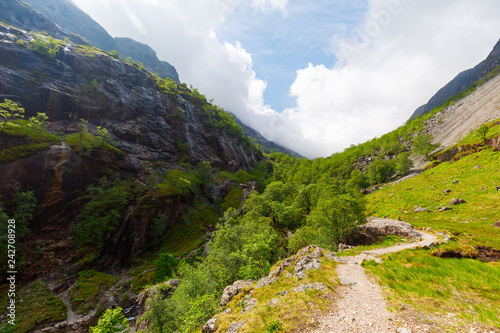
<point x="150" y="126"/>
<point x="462" y="81"/>
<point x="66" y="14"/>
<point x="19" y="14"/>
<point x="123" y="98"/>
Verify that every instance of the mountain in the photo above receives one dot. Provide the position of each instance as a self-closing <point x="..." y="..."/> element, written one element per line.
<point x="464" y="81"/>
<point x="267" y="146"/>
<point x="18" y="14"/>
<point x="67" y="15"/>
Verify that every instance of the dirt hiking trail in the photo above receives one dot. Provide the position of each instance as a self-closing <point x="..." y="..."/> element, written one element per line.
<point x="360" y="306"/>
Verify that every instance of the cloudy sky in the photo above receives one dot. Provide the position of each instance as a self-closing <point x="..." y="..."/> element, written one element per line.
<point x="315" y="76"/>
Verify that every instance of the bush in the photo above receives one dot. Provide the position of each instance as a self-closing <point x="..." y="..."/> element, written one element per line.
<point x="165" y="265"/>
<point x="101" y="214"/>
<point x="482" y="132"/>
<point x="423" y="146"/>
<point x="46" y="46"/>
<point x="112" y="321"/>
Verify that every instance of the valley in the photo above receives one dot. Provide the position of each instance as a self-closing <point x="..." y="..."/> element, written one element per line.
<point x="142" y="206"/>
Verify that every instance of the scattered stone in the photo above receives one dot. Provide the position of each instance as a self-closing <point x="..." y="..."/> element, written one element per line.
<point x="343" y="247"/>
<point x="404" y="330"/>
<point x="206" y="250"/>
<point x="447" y="191"/>
<point x="233" y="290"/>
<point x="331" y="255"/>
<point x="249" y="305"/>
<point x="306" y="263"/>
<point x="476" y="167"/>
<point x="272" y="303"/>
<point x="313" y="286"/>
<point x="284" y="293"/>
<point x="456" y="201"/>
<point x="455" y="182"/>
<point x="409" y="189"/>
<point x="497" y="224"/>
<point x="62" y="324"/>
<point x="235" y="326"/>
<point x="498" y="188"/>
<point x="420" y="209"/>
<point x="173" y="282"/>
<point x="209" y="326"/>
<point x="444" y="209"/>
<point x="347" y="282"/>
<point x="228" y="311"/>
<point x="429" y="246"/>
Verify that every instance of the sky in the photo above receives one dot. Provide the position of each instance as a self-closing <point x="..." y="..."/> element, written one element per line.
<point x="315" y="76"/>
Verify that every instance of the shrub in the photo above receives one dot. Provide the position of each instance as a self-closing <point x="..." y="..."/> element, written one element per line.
<point x="423" y="146"/>
<point x="112" y="321"/>
<point x="10" y="110"/>
<point x="482" y="132"/>
<point x="101" y="214"/>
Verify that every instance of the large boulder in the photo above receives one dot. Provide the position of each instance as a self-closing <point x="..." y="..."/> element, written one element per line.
<point x="386" y="227"/>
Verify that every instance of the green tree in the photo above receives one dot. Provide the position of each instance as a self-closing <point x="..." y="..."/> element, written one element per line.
<point x="104" y="136"/>
<point x="423" y="146"/>
<point x="112" y="321"/>
<point x="157" y="228"/>
<point x="404" y="163"/>
<point x="83" y="129"/>
<point x="114" y="54"/>
<point x="165" y="265"/>
<point x="333" y="220"/>
<point x="9" y="110"/>
<point x="101" y="214"/>
<point x="256" y="255"/>
<point x="482" y="132"/>
<point x="26" y="204"/>
<point x="198" y="311"/>
<point x="38" y="123"/>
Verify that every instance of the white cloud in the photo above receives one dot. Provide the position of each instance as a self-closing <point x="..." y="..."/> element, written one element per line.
<point x="414" y="50"/>
<point x="269" y="5"/>
<point x="400" y="55"/>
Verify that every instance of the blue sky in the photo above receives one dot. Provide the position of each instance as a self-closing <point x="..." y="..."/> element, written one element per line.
<point x="283" y="42"/>
<point x="315" y="76"/>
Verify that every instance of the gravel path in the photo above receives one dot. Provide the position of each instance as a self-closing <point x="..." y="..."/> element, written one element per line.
<point x="361" y="306"/>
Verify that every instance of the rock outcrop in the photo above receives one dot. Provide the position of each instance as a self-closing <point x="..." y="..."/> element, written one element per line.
<point x="462" y="81"/>
<point x="150" y="127"/>
<point x="233" y="290"/>
<point x="386" y="227"/>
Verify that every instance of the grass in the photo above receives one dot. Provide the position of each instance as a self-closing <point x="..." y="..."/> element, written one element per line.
<point x="291" y="310"/>
<point x="380" y="242"/>
<point x="468" y="288"/>
<point x="233" y="198"/>
<point x="85" y="295"/>
<point x="34" y="141"/>
<point x="89" y="142"/>
<point x="465" y="287"/>
<point x="188" y="235"/>
<point x="39" y="306"/>
<point x="473" y="138"/>
<point x="183" y="238"/>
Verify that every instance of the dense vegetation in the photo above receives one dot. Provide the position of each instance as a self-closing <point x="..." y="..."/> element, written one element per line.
<point x="315" y="201"/>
